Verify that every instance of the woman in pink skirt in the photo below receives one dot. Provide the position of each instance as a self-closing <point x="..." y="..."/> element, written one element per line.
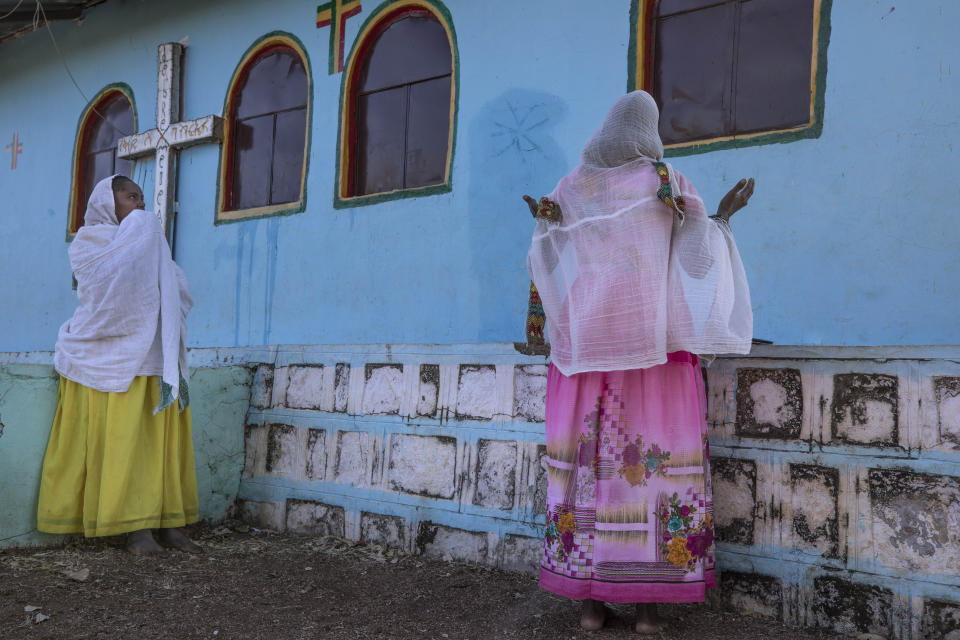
<point x="634" y="279"/>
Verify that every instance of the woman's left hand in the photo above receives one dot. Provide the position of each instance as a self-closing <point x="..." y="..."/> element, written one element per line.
<point x="735" y="199"/>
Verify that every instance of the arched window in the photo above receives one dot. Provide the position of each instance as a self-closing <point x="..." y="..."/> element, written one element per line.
<point x="107" y="118"/>
<point x="266" y="135"/>
<point x="397" y="124"/>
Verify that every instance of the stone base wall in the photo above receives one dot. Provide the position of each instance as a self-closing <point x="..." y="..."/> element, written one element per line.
<point x="836" y="471"/>
<point x="430" y="449"/>
<point x="837" y="487"/>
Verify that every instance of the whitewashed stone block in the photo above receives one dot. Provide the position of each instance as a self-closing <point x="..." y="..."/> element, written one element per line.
<point x="306" y="517"/>
<point x="254" y="449"/>
<point x="759" y="594"/>
<point x="262" y="390"/>
<point x="341" y="387"/>
<point x="265" y="515"/>
<point x="353" y="458"/>
<point x="378" y="528"/>
<point x="383" y="389"/>
<point x="305" y="387"/>
<point x="850" y="608"/>
<point x="769" y="403"/>
<point x="283" y="451"/>
<point x="734" y="499"/>
<point x="530" y="392"/>
<point x="477" y="392"/>
<point x="423" y="465"/>
<point x="428" y="393"/>
<point x="815" y="508"/>
<point x="438" y="540"/>
<point x="316" y="454"/>
<point x="915" y="521"/>
<point x="865" y="409"/>
<point x="947" y="390"/>
<point x="496" y="474"/>
<point x="521" y="553"/>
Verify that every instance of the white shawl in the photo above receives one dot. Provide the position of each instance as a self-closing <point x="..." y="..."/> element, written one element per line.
<point x="624" y="280"/>
<point x="127" y="282"/>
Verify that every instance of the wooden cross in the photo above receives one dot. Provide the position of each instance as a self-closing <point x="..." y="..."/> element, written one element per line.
<point x="170" y="135"/>
<point x="16" y="148"/>
<point x="334" y="14"/>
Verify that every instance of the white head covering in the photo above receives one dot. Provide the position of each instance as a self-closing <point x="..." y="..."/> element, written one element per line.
<point x="101" y="208"/>
<point x="132" y="295"/>
<point x="629" y="132"/>
<point x="623" y="280"/>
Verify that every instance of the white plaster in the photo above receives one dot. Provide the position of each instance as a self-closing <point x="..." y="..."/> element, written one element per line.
<point x="520" y="553"/>
<point x="281" y="379"/>
<point x="284" y="452"/>
<point x="266" y="515"/>
<point x="353" y="458"/>
<point x="391" y="531"/>
<point x="316" y="454"/>
<point x="261" y="393"/>
<point x="423" y="465"/>
<point x="878" y="427"/>
<point x="305" y="389"/>
<point x="383" y="390"/>
<point x="496" y="474"/>
<point x="477" y="392"/>
<point x="732" y="500"/>
<point x="530" y="392"/>
<point x="466" y="546"/>
<point x="314" y="518"/>
<point x="341" y="391"/>
<point x="950" y="419"/>
<point x="428" y="394"/>
<point x="254" y="450"/>
<point x="770" y="404"/>
<point x="813" y="499"/>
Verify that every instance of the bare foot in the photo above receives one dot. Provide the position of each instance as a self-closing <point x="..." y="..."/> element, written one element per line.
<point x="142" y="543"/>
<point x="593" y="615"/>
<point x="176" y="538"/>
<point x="648" y="620"/>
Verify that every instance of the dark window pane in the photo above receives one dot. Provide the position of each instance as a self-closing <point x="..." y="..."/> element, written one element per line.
<point x="253" y="149"/>
<point x="694" y="62"/>
<point x="111" y="120"/>
<point x="275" y="82"/>
<point x="380" y="140"/>
<point x="773" y="65"/>
<point x="428" y="131"/>
<point x="288" y="156"/>
<point x="669" y="7"/>
<point x="98" y="166"/>
<point x="411" y="49"/>
<point x="116" y="122"/>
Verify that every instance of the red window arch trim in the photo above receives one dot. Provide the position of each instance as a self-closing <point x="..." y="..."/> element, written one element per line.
<point x="84" y="127"/>
<point x="262" y="46"/>
<point x="379" y="20"/>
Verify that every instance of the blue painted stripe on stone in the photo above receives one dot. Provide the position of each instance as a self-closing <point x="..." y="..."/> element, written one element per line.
<point x="418" y="508"/>
<point x="800" y="573"/>
<point x="944" y="463"/>
<point x="465" y="430"/>
<point x="445" y="354"/>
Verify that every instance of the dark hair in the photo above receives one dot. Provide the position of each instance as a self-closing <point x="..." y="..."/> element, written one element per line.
<point x="119" y="182"/>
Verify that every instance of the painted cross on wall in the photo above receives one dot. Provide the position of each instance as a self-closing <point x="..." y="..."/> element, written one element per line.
<point x="334" y="14"/>
<point x="16" y="148"/>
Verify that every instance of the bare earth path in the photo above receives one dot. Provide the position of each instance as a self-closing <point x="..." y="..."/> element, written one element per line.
<point x="251" y="584"/>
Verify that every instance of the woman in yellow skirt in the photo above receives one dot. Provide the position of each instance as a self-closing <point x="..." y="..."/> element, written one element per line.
<point x="120" y="455"/>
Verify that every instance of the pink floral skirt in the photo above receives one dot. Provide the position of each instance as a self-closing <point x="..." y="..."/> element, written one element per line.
<point x="629" y="505"/>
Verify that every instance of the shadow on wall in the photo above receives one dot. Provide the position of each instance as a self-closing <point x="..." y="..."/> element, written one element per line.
<point x="513" y="151"/>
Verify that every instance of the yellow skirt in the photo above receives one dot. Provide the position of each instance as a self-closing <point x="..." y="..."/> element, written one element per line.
<point x="112" y="466"/>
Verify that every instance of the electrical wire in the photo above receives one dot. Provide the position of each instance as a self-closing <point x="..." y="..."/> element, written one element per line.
<point x="12" y="11"/>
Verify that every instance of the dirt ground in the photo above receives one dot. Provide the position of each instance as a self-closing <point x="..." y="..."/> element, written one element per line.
<point x="255" y="584"/>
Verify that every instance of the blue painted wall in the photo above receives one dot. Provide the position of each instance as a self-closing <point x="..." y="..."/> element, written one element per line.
<point x="850" y="240"/>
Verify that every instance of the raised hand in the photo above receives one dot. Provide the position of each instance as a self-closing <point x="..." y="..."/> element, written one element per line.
<point x="544" y="210"/>
<point x="735" y="199"/>
<point x="532" y="204"/>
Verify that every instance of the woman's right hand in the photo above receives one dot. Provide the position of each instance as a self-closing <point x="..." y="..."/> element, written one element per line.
<point x="532" y="204"/>
<point x="735" y="199"/>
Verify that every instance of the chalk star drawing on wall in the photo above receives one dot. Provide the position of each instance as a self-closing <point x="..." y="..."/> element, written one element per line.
<point x="334" y="14"/>
<point x="519" y="129"/>
<point x="16" y="148"/>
